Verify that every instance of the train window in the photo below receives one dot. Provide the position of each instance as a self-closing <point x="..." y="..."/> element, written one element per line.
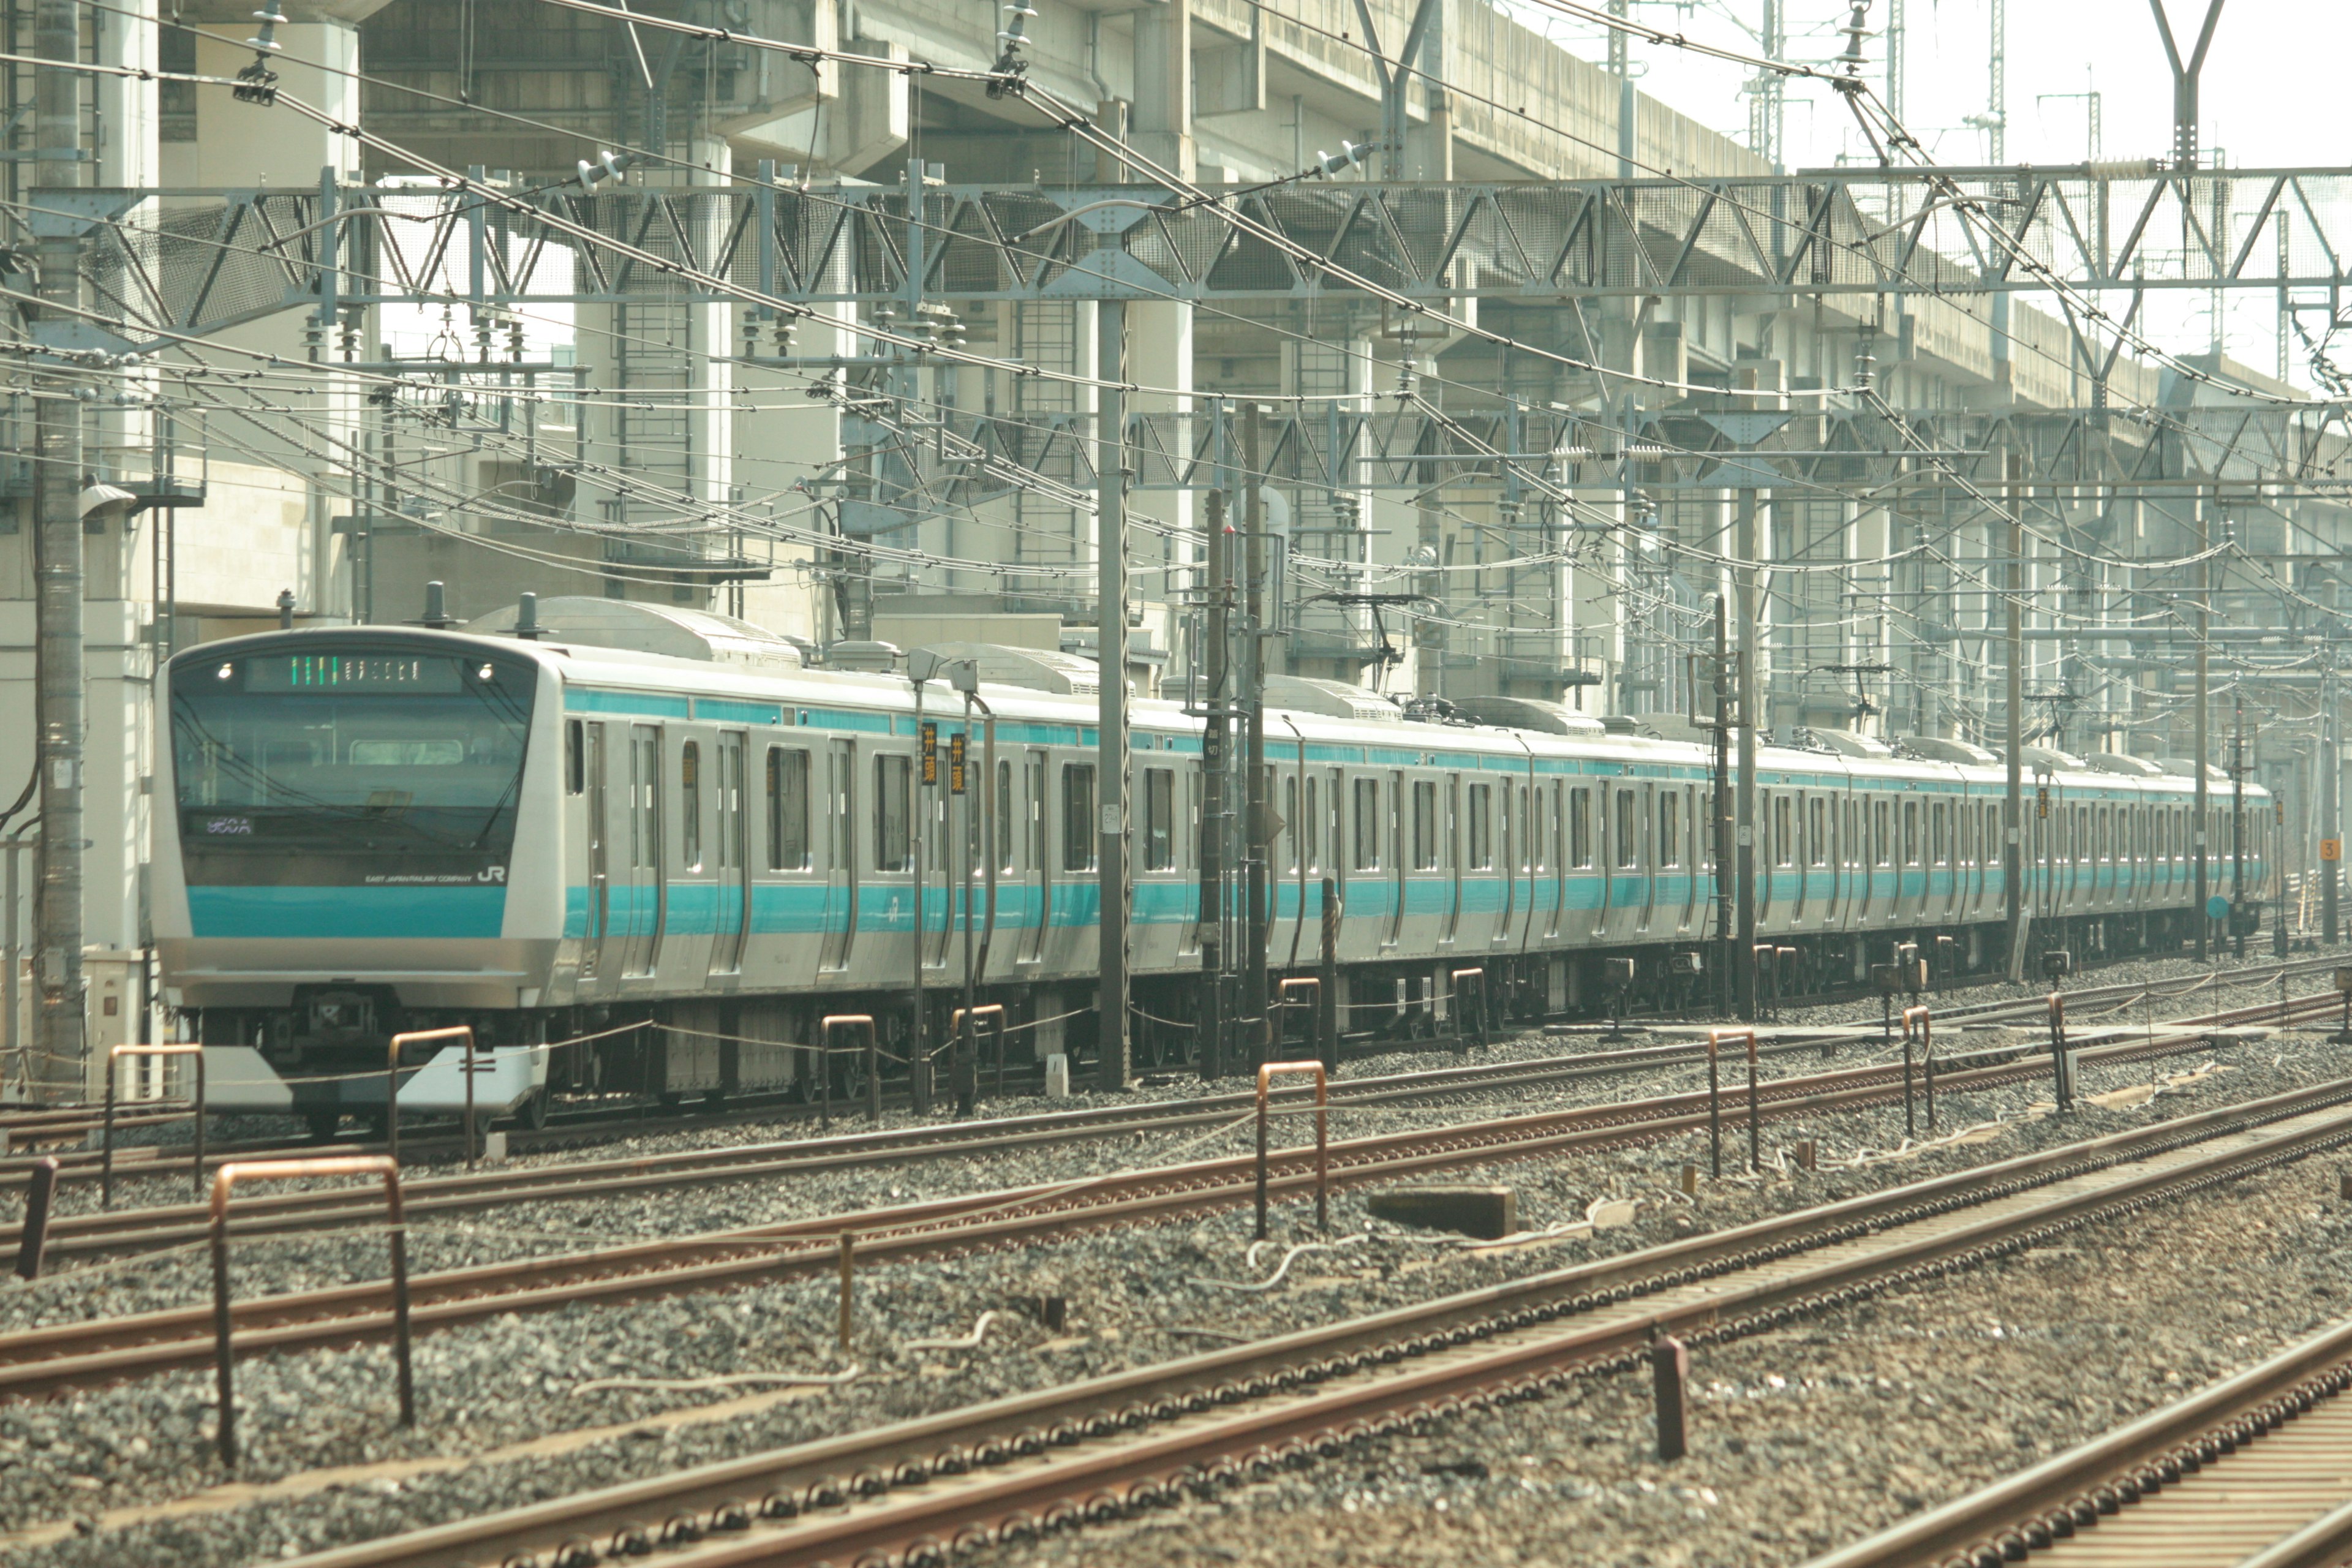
<point x="1629" y="829"/>
<point x="1367" y="824"/>
<point x="1910" y="833"/>
<point x="1004" y="816"/>
<point x="731" y="802"/>
<point x="1784" y="837"/>
<point x="1482" y="826"/>
<point x="1078" y="816"/>
<point x="1670" y="833"/>
<point x="1310" y="841"/>
<point x="1424" y="825"/>
<point x="644" y="792"/>
<point x="892" y="841"/>
<point x="1033" y="814"/>
<point x="1159" y="819"/>
<point x="1883" y="840"/>
<point x="1287" y="831"/>
<point x="689" y="806"/>
<point x="575" y="757"/>
<point x="1817" y="835"/>
<point x="1580" y="828"/>
<point x="788" y="810"/>
<point x="1939" y="851"/>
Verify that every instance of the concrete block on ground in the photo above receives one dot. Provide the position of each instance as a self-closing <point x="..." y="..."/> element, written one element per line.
<point x="1487" y="1212"/>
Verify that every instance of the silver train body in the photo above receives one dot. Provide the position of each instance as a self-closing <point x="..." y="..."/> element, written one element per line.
<point x="380" y="830"/>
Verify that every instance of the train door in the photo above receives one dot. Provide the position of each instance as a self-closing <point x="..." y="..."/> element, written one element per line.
<point x="734" y="889"/>
<point x="1551" y="812"/>
<point x="1506" y="856"/>
<point x="1038" y="897"/>
<point x="841" y="856"/>
<point x="647" y="895"/>
<point x="942" y="849"/>
<point x="599" y="851"/>
<point x="1335" y="858"/>
<point x="1450" y="846"/>
<point x="1398" y="873"/>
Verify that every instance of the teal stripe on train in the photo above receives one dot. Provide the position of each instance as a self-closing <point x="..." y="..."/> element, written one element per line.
<point x="327" y="913"/>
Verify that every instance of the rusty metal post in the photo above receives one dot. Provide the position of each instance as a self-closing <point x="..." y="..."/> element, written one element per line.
<point x="1715" y="1038"/>
<point x="1926" y="1026"/>
<point x="1327" y="1012"/>
<point x="1755" y="1114"/>
<point x="224" y="1182"/>
<point x="106" y="1155"/>
<point x="392" y="1079"/>
<point x="1265" y="1077"/>
<point x="1910" y="1125"/>
<point x="971" y="1018"/>
<point x="1715" y="1103"/>
<point x="849" y="1268"/>
<point x="1669" y="1368"/>
<point x="33" y="1236"/>
<point x="2062" y="1082"/>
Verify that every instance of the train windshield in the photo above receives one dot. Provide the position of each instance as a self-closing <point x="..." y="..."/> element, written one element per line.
<point x="360" y="765"/>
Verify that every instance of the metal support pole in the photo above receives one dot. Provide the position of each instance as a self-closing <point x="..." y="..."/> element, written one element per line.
<point x="1744" y="585"/>
<point x="1327" y="992"/>
<point x="2331" y="787"/>
<point x="919" y="793"/>
<point x="2204" y="806"/>
<point x="1115" y="1061"/>
<point x="60" y="704"/>
<point x="1254" y="947"/>
<point x="2237" y="820"/>
<point x="1722" y="803"/>
<point x="1669" y="1367"/>
<point x="1214" y="743"/>
<point x="2012" y="810"/>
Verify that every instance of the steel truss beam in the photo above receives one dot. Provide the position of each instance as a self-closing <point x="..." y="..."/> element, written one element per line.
<point x="190" y="261"/>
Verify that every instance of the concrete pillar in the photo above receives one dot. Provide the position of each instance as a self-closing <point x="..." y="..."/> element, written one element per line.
<point x="1161" y="127"/>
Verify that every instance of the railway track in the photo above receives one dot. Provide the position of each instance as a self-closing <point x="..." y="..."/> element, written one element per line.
<point x="2250" y="1472"/>
<point x="80" y="1355"/>
<point x="116" y="1232"/>
<point x="66" y="1125"/>
<point x="920" y="1494"/>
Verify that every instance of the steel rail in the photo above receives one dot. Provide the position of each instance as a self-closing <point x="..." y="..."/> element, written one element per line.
<point x="79" y="1355"/>
<point x="2247" y="1439"/>
<point x="595" y="1123"/>
<point x="918" y="1492"/>
<point x="129" y="1230"/>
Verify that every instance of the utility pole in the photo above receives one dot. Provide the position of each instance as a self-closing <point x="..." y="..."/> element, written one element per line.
<point x="1743" y="573"/>
<point x="1257" y="855"/>
<point x="1213" y="742"/>
<point x="2012" y="852"/>
<point x="2331" y="785"/>
<point x="61" y="714"/>
<point x="1111" y="760"/>
<point x="2204" y="802"/>
<point x="1721" y="803"/>
<point x="2237" y="819"/>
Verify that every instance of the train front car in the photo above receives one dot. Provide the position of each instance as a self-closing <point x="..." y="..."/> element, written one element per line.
<point x="348" y="857"/>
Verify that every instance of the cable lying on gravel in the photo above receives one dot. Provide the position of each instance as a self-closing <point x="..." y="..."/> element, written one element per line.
<point x="970" y="1341"/>
<point x="1283" y="1268"/>
<point x="724" y="1380"/>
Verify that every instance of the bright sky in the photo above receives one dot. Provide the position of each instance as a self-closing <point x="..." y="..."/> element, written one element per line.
<point x="2274" y="92"/>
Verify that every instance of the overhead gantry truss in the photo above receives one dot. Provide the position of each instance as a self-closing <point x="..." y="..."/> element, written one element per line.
<point x="189" y="261"/>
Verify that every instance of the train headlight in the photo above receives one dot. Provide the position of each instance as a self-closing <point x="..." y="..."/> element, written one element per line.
<point x="224" y="672"/>
<point x="486" y="672"/>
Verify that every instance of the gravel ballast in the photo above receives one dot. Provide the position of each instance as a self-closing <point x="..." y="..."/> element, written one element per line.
<point x="1134" y="1297"/>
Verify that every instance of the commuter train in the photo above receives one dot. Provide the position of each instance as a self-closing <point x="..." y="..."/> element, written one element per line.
<point x="648" y="856"/>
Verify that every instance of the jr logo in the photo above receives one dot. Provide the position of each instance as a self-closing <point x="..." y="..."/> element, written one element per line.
<point x="492" y="874"/>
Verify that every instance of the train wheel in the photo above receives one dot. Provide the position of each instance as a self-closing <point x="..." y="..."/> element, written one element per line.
<point x="532" y="1112"/>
